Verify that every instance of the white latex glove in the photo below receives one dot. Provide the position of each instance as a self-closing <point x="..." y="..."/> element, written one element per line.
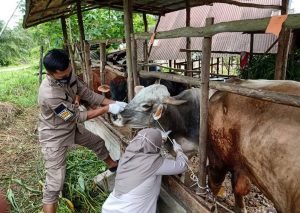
<point x="164" y="135"/>
<point x="115" y="108"/>
<point x="176" y="147"/>
<point x="121" y="104"/>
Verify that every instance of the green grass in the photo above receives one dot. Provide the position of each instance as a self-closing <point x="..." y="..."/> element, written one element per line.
<point x="19" y="87"/>
<point x="21" y="180"/>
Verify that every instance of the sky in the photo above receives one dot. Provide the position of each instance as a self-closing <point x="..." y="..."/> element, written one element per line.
<point x="6" y="10"/>
<point x="10" y="5"/>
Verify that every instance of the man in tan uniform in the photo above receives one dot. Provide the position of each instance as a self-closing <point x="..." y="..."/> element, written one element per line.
<point x="60" y="122"/>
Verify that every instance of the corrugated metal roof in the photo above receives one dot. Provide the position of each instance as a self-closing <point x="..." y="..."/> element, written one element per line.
<point x="168" y="49"/>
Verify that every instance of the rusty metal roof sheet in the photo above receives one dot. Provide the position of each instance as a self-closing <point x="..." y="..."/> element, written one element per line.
<point x="168" y="49"/>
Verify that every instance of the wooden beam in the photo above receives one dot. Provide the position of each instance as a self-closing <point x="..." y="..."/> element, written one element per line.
<point x="136" y="81"/>
<point x="128" y="30"/>
<point x="282" y="54"/>
<point x="102" y="62"/>
<point x="82" y="39"/>
<point x="117" y="72"/>
<point x="145" y="44"/>
<point x="244" y="4"/>
<point x="189" y="63"/>
<point x="220" y="52"/>
<point x="87" y="62"/>
<point x="283" y="48"/>
<point x="292" y="22"/>
<point x="155" y="29"/>
<point x="251" y="47"/>
<point x="65" y="32"/>
<point x="186" y="197"/>
<point x="203" y="129"/>
<point x="275" y="97"/>
<point x="107" y="41"/>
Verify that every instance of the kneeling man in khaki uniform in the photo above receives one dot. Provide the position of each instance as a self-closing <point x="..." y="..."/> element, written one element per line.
<point x="60" y="122"/>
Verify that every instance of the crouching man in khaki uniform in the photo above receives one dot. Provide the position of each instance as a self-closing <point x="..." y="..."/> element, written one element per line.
<point x="60" y="122"/>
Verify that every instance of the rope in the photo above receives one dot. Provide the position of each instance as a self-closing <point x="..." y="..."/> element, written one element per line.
<point x="208" y="193"/>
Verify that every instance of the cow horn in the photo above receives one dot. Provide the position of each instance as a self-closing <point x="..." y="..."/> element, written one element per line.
<point x="173" y="101"/>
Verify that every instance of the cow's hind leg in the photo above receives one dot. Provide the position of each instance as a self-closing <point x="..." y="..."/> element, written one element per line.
<point x="241" y="187"/>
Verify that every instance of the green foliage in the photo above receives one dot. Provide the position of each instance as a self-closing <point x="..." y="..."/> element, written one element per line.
<point x="48" y="34"/>
<point x="19" y="45"/>
<point x="82" y="166"/>
<point x="263" y="67"/>
<point x="19" y="86"/>
<point x="15" y="46"/>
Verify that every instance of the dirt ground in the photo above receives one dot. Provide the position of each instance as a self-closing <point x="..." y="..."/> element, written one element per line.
<point x="19" y="153"/>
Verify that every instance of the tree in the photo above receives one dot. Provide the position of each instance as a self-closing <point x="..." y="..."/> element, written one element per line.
<point x="14" y="46"/>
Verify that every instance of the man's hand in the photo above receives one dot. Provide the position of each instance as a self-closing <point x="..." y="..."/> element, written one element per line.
<point x="115" y="108"/>
<point x="121" y="104"/>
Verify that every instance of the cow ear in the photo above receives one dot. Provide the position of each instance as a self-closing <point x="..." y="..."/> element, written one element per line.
<point x="137" y="89"/>
<point x="158" y="112"/>
<point x="157" y="81"/>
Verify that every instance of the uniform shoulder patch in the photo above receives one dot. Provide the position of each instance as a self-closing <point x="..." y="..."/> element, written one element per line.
<point x="63" y="112"/>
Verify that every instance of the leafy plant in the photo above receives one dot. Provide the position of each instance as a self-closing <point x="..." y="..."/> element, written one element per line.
<point x="82" y="166"/>
<point x="263" y="67"/>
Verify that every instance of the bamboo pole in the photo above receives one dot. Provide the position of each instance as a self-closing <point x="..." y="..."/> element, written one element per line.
<point x="128" y="31"/>
<point x="252" y="25"/>
<point x="275" y="97"/>
<point x="206" y="48"/>
<point x="102" y="62"/>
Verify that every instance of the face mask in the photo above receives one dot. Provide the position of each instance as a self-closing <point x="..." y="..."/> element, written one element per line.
<point x="65" y="80"/>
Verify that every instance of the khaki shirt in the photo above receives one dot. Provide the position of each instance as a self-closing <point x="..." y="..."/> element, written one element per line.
<point x="59" y="117"/>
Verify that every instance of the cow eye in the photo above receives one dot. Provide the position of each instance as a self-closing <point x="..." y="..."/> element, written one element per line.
<point x="146" y="106"/>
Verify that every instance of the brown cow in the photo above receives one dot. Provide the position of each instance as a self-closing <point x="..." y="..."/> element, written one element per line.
<point x="259" y="141"/>
<point x="256" y="140"/>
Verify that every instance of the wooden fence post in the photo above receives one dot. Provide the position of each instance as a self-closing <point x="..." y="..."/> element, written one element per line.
<point x="102" y="62"/>
<point x="206" y="51"/>
<point x="87" y="59"/>
<point x="283" y="47"/>
<point x="128" y="31"/>
<point x="189" y="63"/>
<point x="145" y="44"/>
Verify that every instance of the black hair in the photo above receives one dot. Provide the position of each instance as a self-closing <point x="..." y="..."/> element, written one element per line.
<point x="56" y="59"/>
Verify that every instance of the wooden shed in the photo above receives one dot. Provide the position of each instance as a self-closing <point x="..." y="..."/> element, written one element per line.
<point x="39" y="11"/>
